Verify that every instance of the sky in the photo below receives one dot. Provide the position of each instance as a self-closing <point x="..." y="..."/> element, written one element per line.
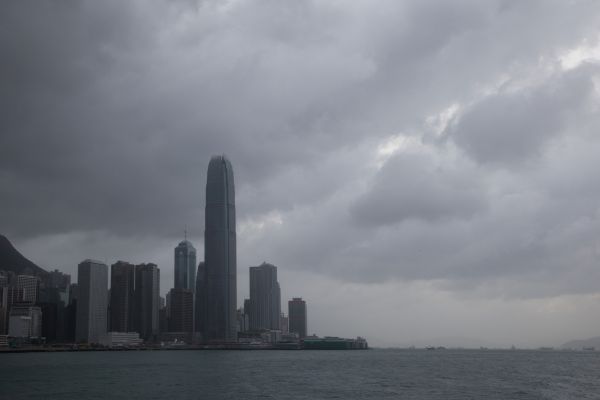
<point x="420" y="172"/>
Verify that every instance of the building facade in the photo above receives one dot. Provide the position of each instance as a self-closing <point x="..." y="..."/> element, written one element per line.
<point x="200" y="301"/>
<point x="25" y="321"/>
<point x="123" y="339"/>
<point x="182" y="310"/>
<point x="147" y="298"/>
<point x="297" y="316"/>
<point x="218" y="284"/>
<point x="59" y="280"/>
<point x="284" y="325"/>
<point x="265" y="298"/>
<point x="92" y="302"/>
<point x="122" y="296"/>
<point x="30" y="287"/>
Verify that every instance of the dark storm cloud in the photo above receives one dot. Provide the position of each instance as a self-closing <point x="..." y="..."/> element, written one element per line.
<point x="111" y="111"/>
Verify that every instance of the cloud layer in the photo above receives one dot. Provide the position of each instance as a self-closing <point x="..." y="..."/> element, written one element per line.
<point x="448" y="149"/>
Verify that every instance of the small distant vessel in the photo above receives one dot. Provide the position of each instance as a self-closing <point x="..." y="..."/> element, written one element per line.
<point x="430" y="348"/>
<point x="591" y="348"/>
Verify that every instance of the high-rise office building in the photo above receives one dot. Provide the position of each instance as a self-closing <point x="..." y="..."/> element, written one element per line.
<point x="297" y="316"/>
<point x="122" y="297"/>
<point x="71" y="313"/>
<point x="265" y="297"/>
<point x="50" y="322"/>
<point x="181" y="302"/>
<point x="185" y="266"/>
<point x="217" y="316"/>
<point x="92" y="302"/>
<point x="147" y="294"/>
<point x="53" y="298"/>
<point x="200" y="301"/>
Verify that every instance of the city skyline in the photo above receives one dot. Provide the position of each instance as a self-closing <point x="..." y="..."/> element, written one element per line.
<point x="430" y="166"/>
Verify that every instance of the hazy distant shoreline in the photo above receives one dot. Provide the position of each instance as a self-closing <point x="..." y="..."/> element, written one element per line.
<point x="256" y="348"/>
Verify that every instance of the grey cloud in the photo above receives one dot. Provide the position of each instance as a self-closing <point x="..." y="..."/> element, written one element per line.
<point x="412" y="186"/>
<point x="112" y="111"/>
<point x="510" y="127"/>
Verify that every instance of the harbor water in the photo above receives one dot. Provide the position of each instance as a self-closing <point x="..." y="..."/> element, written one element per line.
<point x="366" y="374"/>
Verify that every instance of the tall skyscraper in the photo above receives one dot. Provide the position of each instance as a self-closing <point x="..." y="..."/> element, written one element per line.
<point x="92" y="301"/>
<point x="265" y="297"/>
<point x="297" y="316"/>
<point x="185" y="266"/>
<point x="147" y="294"/>
<point x="219" y="280"/>
<point x="122" y="297"/>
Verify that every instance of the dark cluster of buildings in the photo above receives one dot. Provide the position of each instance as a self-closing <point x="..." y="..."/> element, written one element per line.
<point x="32" y="308"/>
<point x="200" y="309"/>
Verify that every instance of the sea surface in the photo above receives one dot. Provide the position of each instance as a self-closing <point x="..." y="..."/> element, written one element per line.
<point x="370" y="374"/>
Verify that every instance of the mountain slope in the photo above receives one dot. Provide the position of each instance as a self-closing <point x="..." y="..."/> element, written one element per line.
<point x="584" y="343"/>
<point x="12" y="260"/>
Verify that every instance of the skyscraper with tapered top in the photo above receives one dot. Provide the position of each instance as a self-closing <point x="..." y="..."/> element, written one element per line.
<point x="185" y="266"/>
<point x="217" y="280"/>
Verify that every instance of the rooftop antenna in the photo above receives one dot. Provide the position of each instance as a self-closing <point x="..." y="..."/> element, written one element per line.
<point x="185" y="232"/>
